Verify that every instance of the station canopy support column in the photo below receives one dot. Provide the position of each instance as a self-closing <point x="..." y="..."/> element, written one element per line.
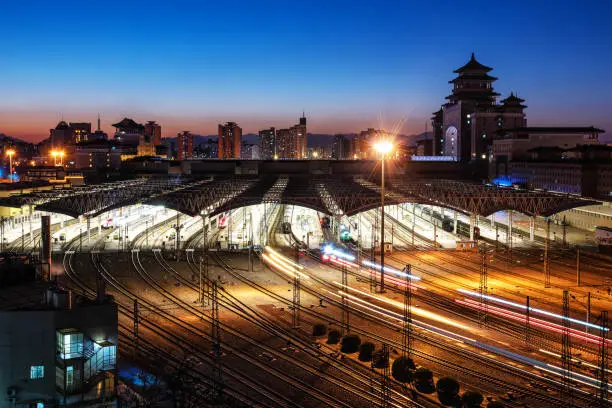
<point x="472" y="224"/>
<point x="531" y="228"/>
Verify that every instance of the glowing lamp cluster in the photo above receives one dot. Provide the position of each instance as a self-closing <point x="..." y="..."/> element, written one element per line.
<point x="383" y="147"/>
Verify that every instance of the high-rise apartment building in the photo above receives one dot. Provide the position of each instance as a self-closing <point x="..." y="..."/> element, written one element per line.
<point x="341" y="147"/>
<point x="362" y="145"/>
<point x="301" y="138"/>
<point x="267" y="143"/>
<point x="153" y="132"/>
<point x="292" y="143"/>
<point x="184" y="144"/>
<point x="230" y="140"/>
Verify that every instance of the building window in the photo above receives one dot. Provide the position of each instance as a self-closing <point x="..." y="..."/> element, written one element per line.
<point x="37" y="372"/>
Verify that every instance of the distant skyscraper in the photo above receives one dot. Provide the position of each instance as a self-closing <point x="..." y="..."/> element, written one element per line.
<point x="301" y="136"/>
<point x="153" y="131"/>
<point x="362" y="143"/>
<point x="340" y="147"/>
<point x="292" y="143"/>
<point x="267" y="143"/>
<point x="184" y="144"/>
<point x="230" y="140"/>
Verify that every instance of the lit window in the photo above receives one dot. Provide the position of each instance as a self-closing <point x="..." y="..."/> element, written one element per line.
<point x="37" y="372"/>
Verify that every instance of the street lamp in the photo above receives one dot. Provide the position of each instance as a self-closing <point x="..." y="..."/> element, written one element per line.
<point x="383" y="147"/>
<point x="61" y="155"/>
<point x="10" y="153"/>
<point x="54" y="153"/>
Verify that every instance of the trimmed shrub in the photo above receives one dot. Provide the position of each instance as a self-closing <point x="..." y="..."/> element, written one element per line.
<point x="472" y="399"/>
<point x="333" y="337"/>
<point x="380" y="359"/>
<point x="423" y="380"/>
<point x="402" y="369"/>
<point x="448" y="390"/>
<point x="366" y="350"/>
<point x="350" y="343"/>
<point x="319" y="329"/>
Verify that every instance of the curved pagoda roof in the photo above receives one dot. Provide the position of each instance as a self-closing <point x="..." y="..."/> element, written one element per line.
<point x="472" y="76"/>
<point x="472" y="65"/>
<point x="128" y="123"/>
<point x="513" y="101"/>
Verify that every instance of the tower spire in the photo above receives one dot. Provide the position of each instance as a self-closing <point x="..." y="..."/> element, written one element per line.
<point x="98" y="122"/>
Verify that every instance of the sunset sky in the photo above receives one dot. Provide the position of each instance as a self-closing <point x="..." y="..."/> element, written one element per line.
<point x="348" y="64"/>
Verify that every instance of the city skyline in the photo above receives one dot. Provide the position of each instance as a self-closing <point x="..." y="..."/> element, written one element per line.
<point x="178" y="74"/>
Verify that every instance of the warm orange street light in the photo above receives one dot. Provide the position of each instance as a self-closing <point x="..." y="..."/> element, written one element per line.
<point x="61" y="154"/>
<point x="383" y="147"/>
<point x="10" y="153"/>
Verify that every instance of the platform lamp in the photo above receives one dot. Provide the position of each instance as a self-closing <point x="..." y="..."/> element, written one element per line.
<point x="383" y="147"/>
<point x="10" y="153"/>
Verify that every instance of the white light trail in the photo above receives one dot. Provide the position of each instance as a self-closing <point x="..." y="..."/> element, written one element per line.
<point x="532" y="309"/>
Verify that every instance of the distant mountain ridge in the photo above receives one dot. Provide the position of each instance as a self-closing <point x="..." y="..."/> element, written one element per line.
<point x="16" y="140"/>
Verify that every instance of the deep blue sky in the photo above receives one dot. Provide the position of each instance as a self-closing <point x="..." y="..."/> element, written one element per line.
<point x="348" y="64"/>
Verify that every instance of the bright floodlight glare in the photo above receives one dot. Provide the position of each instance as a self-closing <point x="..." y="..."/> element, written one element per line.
<point x="10" y="152"/>
<point x="383" y="147"/>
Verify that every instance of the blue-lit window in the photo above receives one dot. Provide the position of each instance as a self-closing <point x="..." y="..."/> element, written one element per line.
<point x="70" y="344"/>
<point x="37" y="372"/>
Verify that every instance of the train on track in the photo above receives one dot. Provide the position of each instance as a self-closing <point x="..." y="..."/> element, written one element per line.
<point x="447" y="224"/>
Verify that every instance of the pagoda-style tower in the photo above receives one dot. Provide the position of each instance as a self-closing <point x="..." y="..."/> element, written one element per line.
<point x="513" y="104"/>
<point x="474" y="84"/>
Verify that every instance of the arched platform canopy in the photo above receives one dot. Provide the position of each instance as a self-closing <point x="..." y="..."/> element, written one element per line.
<point x="484" y="200"/>
<point x="335" y="195"/>
<point x="93" y="199"/>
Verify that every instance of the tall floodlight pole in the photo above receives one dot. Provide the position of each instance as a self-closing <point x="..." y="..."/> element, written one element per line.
<point x="383" y="147"/>
<point x="10" y="154"/>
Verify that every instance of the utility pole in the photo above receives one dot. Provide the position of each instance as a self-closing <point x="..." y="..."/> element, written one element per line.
<point x="296" y="291"/>
<point x="564" y="232"/>
<point x="577" y="266"/>
<point x="205" y="245"/>
<point x="588" y="311"/>
<point x="217" y="375"/>
<point x="483" y="283"/>
<point x="527" y="327"/>
<point x="345" y="310"/>
<point x="372" y="254"/>
<point x="407" y="337"/>
<point x="509" y="235"/>
<point x="603" y="361"/>
<point x="136" y="324"/>
<point x="546" y="266"/>
<point x="177" y="227"/>
<point x="566" y="354"/>
<point x="384" y="383"/>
